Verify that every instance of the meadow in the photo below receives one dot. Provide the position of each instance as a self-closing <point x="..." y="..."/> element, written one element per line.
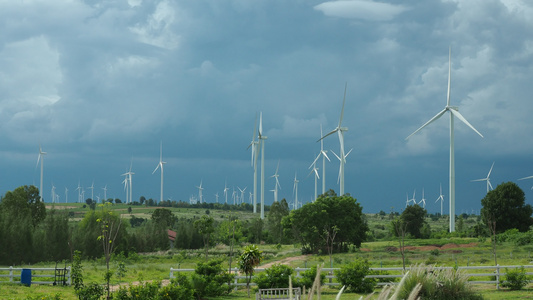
<point x="444" y="251"/>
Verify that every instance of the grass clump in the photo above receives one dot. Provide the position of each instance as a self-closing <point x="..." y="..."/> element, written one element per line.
<point x="438" y="283"/>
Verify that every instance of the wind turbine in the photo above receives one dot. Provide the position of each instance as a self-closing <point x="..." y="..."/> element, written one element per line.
<point x="105" y="192"/>
<point x="242" y="193"/>
<point x="53" y="193"/>
<point x="216" y="197"/>
<point x="226" y="192"/>
<point x="255" y="152"/>
<point x="79" y="192"/>
<point x="487" y="179"/>
<point x="340" y="132"/>
<point x="160" y="165"/>
<point x="92" y="191"/>
<point x="126" y="185"/>
<point x="423" y="200"/>
<point x="200" y="189"/>
<point x="454" y="112"/>
<point x="339" y="158"/>
<point x="66" y="195"/>
<point x="324" y="155"/>
<point x="314" y="170"/>
<point x="129" y="184"/>
<point x="295" y="191"/>
<point x="414" y="197"/>
<point x="441" y="198"/>
<point x="276" y="185"/>
<point x="41" y="158"/>
<point x="262" y="139"/>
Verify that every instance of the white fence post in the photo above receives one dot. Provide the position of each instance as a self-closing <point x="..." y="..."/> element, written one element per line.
<point x="11" y="274"/>
<point x="498" y="277"/>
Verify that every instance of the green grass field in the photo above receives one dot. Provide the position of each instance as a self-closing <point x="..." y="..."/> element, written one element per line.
<point x="156" y="266"/>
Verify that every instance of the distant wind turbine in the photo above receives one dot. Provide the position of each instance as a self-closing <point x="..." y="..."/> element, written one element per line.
<point x="216" y="197"/>
<point x="276" y="185"/>
<point x="242" y="194"/>
<point x="295" y="191"/>
<point x="324" y="155"/>
<point x="255" y="152"/>
<point x="340" y="132"/>
<point x="226" y="192"/>
<point x="487" y="179"/>
<point x="41" y="158"/>
<point x="92" y="191"/>
<point x="160" y="166"/>
<point x="105" y="192"/>
<point x="200" y="189"/>
<point x="79" y="192"/>
<point x="262" y="140"/>
<point x="53" y="193"/>
<point x="454" y="112"/>
<point x="129" y="183"/>
<point x="315" y="171"/>
<point x="441" y="198"/>
<point x="423" y="200"/>
<point x="66" y="195"/>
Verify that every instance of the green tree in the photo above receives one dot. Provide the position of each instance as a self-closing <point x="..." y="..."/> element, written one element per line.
<point x="309" y="224"/>
<point x="205" y="226"/>
<point x="24" y="201"/>
<point x="250" y="257"/>
<point x="505" y="207"/>
<point x="277" y="212"/>
<point x="414" y="219"/>
<point x="110" y="224"/>
<point x="163" y="217"/>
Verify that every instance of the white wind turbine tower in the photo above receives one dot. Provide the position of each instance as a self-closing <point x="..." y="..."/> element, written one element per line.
<point x="324" y="155"/>
<point x="276" y="185"/>
<point x="423" y="200"/>
<point x="129" y="184"/>
<point x="160" y="165"/>
<point x="66" y="195"/>
<point x="441" y="198"/>
<point x="126" y="186"/>
<point x="92" y="191"/>
<point x="339" y="158"/>
<point x="200" y="189"/>
<point x="262" y="139"/>
<point x="255" y="152"/>
<point x="105" y="192"/>
<point x="242" y="193"/>
<point x="79" y="192"/>
<point x="295" y="191"/>
<point x="314" y="170"/>
<point x="454" y="112"/>
<point x="53" y="193"/>
<point x="41" y="158"/>
<point x="216" y="197"/>
<point x="487" y="179"/>
<point x="226" y="192"/>
<point x="340" y="132"/>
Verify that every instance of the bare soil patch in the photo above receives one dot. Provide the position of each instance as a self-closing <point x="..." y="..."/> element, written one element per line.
<point x="435" y="247"/>
<point x="59" y="207"/>
<point x="285" y="261"/>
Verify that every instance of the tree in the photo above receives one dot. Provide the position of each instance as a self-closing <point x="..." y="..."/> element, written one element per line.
<point x="413" y="218"/>
<point x="163" y="217"/>
<point x="205" y="227"/>
<point x="110" y="225"/>
<point x="24" y="200"/>
<point x="505" y="206"/>
<point x="277" y="212"/>
<point x="400" y="230"/>
<point x="309" y="223"/>
<point x="250" y="258"/>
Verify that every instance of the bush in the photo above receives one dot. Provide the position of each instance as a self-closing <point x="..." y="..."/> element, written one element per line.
<point x="437" y="284"/>
<point x="210" y="279"/>
<point x="276" y="276"/>
<point x="308" y="278"/>
<point x="353" y="276"/>
<point x="91" y="291"/>
<point x="515" y="279"/>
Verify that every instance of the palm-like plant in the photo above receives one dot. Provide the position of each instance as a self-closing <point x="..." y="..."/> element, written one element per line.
<point x="250" y="258"/>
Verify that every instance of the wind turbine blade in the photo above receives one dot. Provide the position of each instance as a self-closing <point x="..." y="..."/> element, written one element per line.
<point x="449" y="75"/>
<point x="428" y="122"/>
<point x="335" y="155"/>
<point x="348" y="153"/>
<point x="316" y="173"/>
<point x="529" y="177"/>
<point x="159" y="164"/>
<point x="483" y="179"/>
<point x="325" y="155"/>
<point x="314" y="161"/>
<point x="330" y="133"/>
<point x="460" y="117"/>
<point x="260" y="124"/>
<point x="490" y="185"/>
<point x="490" y="170"/>
<point x="343" y="102"/>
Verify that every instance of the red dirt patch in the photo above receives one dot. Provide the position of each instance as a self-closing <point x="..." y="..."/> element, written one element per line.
<point x="435" y="247"/>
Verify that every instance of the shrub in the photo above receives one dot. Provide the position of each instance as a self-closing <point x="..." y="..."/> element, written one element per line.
<point x="91" y="291"/>
<point x="308" y="278"/>
<point x="515" y="279"/>
<point x="437" y="284"/>
<point x="353" y="276"/>
<point x="276" y="276"/>
<point x="210" y="280"/>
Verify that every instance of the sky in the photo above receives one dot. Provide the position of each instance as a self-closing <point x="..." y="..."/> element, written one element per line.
<point x="100" y="84"/>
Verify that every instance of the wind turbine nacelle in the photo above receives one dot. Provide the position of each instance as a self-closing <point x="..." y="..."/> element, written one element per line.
<point x="453" y="107"/>
<point x="344" y="128"/>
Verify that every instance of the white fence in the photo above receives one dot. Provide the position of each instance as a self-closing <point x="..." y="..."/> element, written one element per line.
<point x="36" y="273"/>
<point x="492" y="274"/>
